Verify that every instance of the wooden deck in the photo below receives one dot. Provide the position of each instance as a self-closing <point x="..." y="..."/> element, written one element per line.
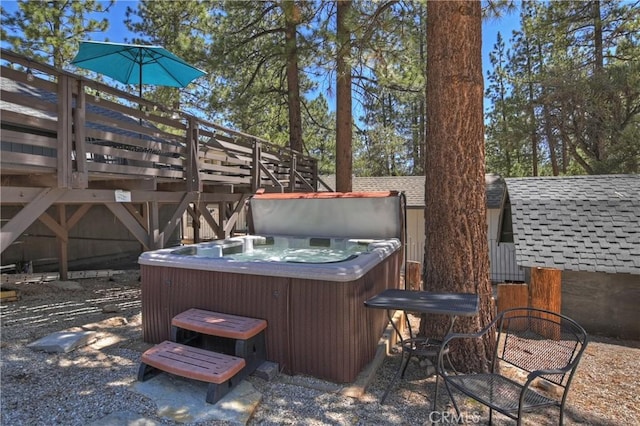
<point x="69" y="141"/>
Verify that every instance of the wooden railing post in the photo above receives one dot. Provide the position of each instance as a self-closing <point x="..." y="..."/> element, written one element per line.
<point x="292" y="172"/>
<point x="80" y="176"/>
<point x="64" y="130"/>
<point x="314" y="174"/>
<point x="193" y="170"/>
<point x="255" y="167"/>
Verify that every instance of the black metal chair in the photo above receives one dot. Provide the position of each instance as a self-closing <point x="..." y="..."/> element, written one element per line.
<point x="545" y="345"/>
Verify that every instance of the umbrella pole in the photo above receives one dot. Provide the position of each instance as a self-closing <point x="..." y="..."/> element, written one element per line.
<point x="140" y="94"/>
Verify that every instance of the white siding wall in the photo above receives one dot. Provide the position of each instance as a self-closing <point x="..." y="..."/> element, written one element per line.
<point x="415" y="235"/>
<point x="502" y="257"/>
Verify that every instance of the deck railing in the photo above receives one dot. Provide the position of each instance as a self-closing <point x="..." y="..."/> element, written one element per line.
<point x="78" y="131"/>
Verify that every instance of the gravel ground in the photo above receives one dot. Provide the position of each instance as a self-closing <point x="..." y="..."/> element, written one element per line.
<point x="85" y="385"/>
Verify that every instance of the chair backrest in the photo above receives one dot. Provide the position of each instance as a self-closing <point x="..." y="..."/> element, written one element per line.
<point x="535" y="339"/>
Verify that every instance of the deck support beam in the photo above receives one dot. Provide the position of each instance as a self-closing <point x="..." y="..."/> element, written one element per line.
<point x="32" y="211"/>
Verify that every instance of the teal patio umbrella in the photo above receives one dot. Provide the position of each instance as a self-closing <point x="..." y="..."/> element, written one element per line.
<point x="136" y="64"/>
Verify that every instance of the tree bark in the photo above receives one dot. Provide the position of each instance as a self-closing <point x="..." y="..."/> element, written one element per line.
<point x="344" y="160"/>
<point x="456" y="248"/>
<point x="292" y="19"/>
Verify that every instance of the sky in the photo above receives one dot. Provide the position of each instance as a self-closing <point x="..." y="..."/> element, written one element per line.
<point x="117" y="31"/>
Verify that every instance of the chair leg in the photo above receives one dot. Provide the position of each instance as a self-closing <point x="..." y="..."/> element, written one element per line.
<point x="400" y="369"/>
<point x="455" y="405"/>
<point x="404" y="369"/>
<point x="435" y="394"/>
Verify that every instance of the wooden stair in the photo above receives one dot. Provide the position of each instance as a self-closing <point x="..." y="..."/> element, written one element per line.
<point x="235" y="335"/>
<point x="219" y="370"/>
<point x="237" y="349"/>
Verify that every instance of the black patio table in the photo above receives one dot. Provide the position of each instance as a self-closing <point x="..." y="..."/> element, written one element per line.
<point x="424" y="302"/>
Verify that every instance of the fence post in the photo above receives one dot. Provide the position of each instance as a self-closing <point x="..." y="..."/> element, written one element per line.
<point x="545" y="289"/>
<point x="413" y="277"/>
<point x="545" y="292"/>
<point x="513" y="295"/>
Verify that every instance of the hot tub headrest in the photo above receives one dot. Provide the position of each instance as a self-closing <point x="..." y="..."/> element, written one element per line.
<point x="328" y="214"/>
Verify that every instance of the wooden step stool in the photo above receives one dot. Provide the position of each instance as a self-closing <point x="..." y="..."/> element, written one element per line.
<point x="247" y="334"/>
<point x="219" y="370"/>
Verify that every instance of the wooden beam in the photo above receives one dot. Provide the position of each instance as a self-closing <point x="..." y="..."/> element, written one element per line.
<point x="306" y="183"/>
<point x="271" y="176"/>
<point x="23" y="195"/>
<point x="192" y="213"/>
<point x="137" y="215"/>
<point x="28" y="138"/>
<point x="29" y="214"/>
<point x="63" y="243"/>
<point x="233" y="219"/>
<point x="54" y="226"/>
<point x="202" y="208"/>
<point x="140" y="184"/>
<point x="153" y="230"/>
<point x="195" y="223"/>
<point x="28" y="120"/>
<point x="177" y="216"/>
<point x="34" y="181"/>
<point x="77" y="215"/>
<point x="222" y="217"/>
<point x="28" y="159"/>
<point x="130" y="223"/>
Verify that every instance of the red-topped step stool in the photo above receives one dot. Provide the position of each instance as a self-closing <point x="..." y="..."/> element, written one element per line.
<point x="235" y="335"/>
<point x="242" y="340"/>
<point x="219" y="370"/>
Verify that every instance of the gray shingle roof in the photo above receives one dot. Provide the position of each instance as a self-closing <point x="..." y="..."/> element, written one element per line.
<point x="577" y="223"/>
<point x="413" y="187"/>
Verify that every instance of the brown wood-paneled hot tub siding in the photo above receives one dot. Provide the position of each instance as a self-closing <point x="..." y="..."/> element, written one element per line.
<point x="319" y="328"/>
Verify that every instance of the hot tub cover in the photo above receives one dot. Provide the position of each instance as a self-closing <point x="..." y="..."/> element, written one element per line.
<point x="377" y="215"/>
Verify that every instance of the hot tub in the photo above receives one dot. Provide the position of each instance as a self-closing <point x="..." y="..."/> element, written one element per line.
<point x="314" y="305"/>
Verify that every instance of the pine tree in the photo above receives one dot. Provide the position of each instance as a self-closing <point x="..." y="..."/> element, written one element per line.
<point x="456" y="247"/>
<point x="48" y="31"/>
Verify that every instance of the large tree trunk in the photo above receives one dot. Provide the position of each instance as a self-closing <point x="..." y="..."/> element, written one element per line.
<point x="344" y="161"/>
<point x="292" y="19"/>
<point x="456" y="249"/>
